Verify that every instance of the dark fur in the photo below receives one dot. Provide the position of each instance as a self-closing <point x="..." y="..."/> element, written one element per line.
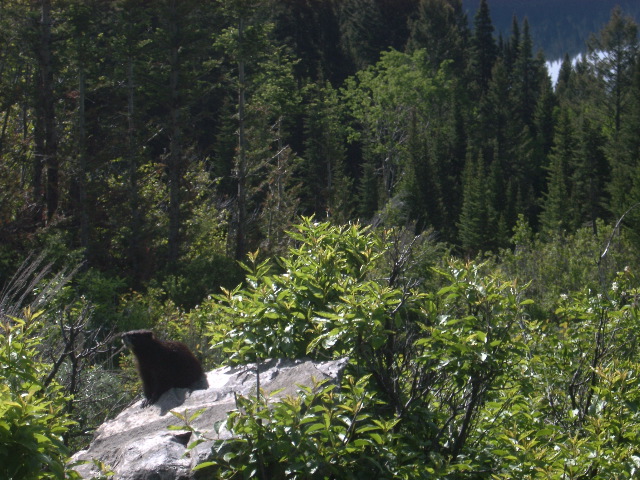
<point x="162" y="364"/>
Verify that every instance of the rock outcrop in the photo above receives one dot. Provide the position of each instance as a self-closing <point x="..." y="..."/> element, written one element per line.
<point x="138" y="445"/>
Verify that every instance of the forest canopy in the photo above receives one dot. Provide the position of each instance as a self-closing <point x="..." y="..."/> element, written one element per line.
<point x="161" y="141"/>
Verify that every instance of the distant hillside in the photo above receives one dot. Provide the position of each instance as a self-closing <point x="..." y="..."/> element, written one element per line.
<point x="557" y="26"/>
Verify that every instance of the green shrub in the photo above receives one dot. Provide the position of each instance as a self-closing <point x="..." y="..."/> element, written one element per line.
<point x="573" y="410"/>
<point x="324" y="432"/>
<point x="433" y="359"/>
<point x="32" y="414"/>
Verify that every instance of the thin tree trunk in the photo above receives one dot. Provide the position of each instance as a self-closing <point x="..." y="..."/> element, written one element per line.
<point x="134" y="199"/>
<point x="46" y="146"/>
<point x="241" y="162"/>
<point x="175" y="154"/>
<point x="82" y="164"/>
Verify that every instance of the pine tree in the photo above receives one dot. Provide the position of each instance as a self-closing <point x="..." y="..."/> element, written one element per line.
<point x="613" y="53"/>
<point x="543" y="116"/>
<point x="179" y="34"/>
<point x="511" y="48"/>
<point x="499" y="210"/>
<point x="244" y="42"/>
<point x="557" y="211"/>
<point x="368" y="196"/>
<point x="495" y="115"/>
<point x="420" y="187"/>
<point x="473" y="225"/>
<point x="563" y="83"/>
<point x="526" y="75"/>
<point x="440" y="27"/>
<point x="483" y="48"/>
<point x="590" y="176"/>
<point x="623" y="154"/>
<point x="324" y="155"/>
<point x="310" y="29"/>
<point x="363" y="31"/>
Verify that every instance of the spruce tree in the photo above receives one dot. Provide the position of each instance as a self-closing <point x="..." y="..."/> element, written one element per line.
<point x="613" y="53"/>
<point x="324" y="156"/>
<point x="590" y="176"/>
<point x="367" y="196"/>
<point x="564" y="77"/>
<point x="526" y="75"/>
<point x="629" y="149"/>
<point x="557" y="211"/>
<point x="440" y="27"/>
<point x="473" y="227"/>
<point x="483" y="48"/>
<point x="420" y="187"/>
<point x="511" y="49"/>
<point x="623" y="154"/>
<point x="362" y="31"/>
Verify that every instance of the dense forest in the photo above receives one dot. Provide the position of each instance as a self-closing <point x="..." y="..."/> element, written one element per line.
<point x="394" y="181"/>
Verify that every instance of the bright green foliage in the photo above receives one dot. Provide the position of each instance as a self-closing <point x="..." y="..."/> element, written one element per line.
<point x="403" y="118"/>
<point x="463" y="379"/>
<point x="278" y="315"/>
<point x="433" y="359"/>
<point x="32" y="421"/>
<point x="573" y="412"/>
<point x="324" y="432"/>
<point x="564" y="263"/>
<point x="160" y="140"/>
<point x="472" y="339"/>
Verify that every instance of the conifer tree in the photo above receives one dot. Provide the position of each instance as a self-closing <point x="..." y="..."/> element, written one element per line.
<point x="557" y="211"/>
<point x="322" y="165"/>
<point x="134" y="22"/>
<point x="511" y="48"/>
<point x="590" y="176"/>
<point x="613" y="53"/>
<point x="244" y="42"/>
<point x="420" y="187"/>
<point x="499" y="209"/>
<point x="473" y="228"/>
<point x="179" y="34"/>
<point x="564" y="77"/>
<point x="363" y="31"/>
<point x="368" y="196"/>
<point x="311" y="30"/>
<point x="526" y="76"/>
<point x="440" y="27"/>
<point x="483" y="48"/>
<point x="495" y="117"/>
<point x="629" y="151"/>
<point x="623" y="154"/>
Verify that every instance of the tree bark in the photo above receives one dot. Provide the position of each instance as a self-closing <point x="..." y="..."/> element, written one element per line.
<point x="175" y="154"/>
<point x="82" y="164"/>
<point x="241" y="161"/>
<point x="46" y="141"/>
<point x="132" y="156"/>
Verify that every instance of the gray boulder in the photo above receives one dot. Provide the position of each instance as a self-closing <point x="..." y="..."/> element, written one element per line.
<point x="137" y="444"/>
